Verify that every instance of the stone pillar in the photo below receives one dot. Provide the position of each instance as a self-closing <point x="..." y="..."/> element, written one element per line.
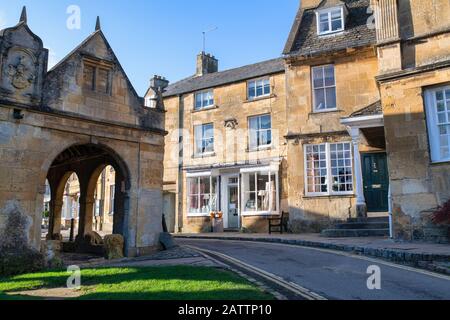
<point x="57" y="214"/>
<point x="361" y="206"/>
<point x="86" y="215"/>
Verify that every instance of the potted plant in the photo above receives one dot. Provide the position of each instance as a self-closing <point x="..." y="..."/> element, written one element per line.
<point x="217" y="221"/>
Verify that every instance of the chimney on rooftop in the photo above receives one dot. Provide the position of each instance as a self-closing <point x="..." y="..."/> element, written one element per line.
<point x="307" y="4"/>
<point x="206" y="64"/>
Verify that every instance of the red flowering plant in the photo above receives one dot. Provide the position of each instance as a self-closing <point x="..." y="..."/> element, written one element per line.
<point x="442" y="215"/>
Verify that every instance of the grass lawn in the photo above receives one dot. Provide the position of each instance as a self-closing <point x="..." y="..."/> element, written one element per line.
<point x="152" y="283"/>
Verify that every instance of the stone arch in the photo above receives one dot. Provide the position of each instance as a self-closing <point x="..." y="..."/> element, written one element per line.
<point x="87" y="161"/>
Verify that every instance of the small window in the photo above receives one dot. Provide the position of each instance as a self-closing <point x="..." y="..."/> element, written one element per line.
<point x="438" y="120"/>
<point x="260" y="132"/>
<point x="103" y="81"/>
<point x="204" y="139"/>
<point x="258" y="88"/>
<point x="204" y="100"/>
<point x="330" y="21"/>
<point x="329" y="169"/>
<point x="324" y="88"/>
<point x="89" y="77"/>
<point x="97" y="78"/>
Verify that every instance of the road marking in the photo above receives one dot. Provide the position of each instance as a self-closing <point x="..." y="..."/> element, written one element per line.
<point x="293" y="287"/>
<point x="341" y="253"/>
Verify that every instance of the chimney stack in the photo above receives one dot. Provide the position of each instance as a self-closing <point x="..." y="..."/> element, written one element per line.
<point x="308" y="4"/>
<point x="206" y="64"/>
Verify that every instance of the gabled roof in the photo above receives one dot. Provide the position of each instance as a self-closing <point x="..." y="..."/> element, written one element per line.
<point x="304" y="40"/>
<point x="81" y="46"/>
<point x="211" y="80"/>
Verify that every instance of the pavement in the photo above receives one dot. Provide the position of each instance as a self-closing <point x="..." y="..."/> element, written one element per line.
<point x="330" y="274"/>
<point x="429" y="256"/>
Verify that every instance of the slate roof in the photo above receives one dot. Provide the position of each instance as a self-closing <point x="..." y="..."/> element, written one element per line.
<point x="196" y="83"/>
<point x="305" y="41"/>
<point x="371" y="110"/>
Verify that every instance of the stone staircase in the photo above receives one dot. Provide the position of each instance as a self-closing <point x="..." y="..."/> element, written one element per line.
<point x="354" y="228"/>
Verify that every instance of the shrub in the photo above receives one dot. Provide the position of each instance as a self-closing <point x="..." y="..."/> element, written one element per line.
<point x="442" y="215"/>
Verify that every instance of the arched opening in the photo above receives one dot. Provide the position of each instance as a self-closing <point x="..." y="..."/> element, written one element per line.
<point x="89" y="196"/>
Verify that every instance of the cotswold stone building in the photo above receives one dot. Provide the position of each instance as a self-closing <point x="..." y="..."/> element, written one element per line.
<point x="225" y="149"/>
<point x="79" y="117"/>
<point x="351" y="123"/>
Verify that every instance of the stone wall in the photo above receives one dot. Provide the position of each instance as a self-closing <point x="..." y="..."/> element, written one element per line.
<point x="231" y="145"/>
<point x="356" y="88"/>
<point x="417" y="185"/>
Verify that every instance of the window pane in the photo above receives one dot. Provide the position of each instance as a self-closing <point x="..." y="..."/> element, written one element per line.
<point x="329" y="76"/>
<point x="341" y="168"/>
<point x="324" y="17"/>
<point x="316" y="170"/>
<point x="440" y="95"/>
<point x="318" y="81"/>
<point x="263" y="192"/>
<point x="336" y="14"/>
<point x="198" y="101"/>
<point x="336" y="25"/>
<point x="319" y="99"/>
<point x="331" y="98"/>
<point x="266" y="122"/>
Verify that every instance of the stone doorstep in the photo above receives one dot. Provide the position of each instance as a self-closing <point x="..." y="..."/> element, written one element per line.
<point x="421" y="260"/>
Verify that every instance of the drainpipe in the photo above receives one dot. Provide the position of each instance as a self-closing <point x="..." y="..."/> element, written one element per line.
<point x="391" y="220"/>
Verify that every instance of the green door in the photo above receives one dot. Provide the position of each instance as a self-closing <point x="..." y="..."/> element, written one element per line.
<point x="376" y="181"/>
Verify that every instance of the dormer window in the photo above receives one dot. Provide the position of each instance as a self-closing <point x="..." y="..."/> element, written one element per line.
<point x="330" y="20"/>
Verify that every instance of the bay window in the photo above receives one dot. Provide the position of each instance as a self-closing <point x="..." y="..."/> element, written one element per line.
<point x="329" y="169"/>
<point x="438" y="120"/>
<point x="202" y="195"/>
<point x="260" y="192"/>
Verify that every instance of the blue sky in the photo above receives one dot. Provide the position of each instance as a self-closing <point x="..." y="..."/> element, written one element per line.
<point x="163" y="37"/>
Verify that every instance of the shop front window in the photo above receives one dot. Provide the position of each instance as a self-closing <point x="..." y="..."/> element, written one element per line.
<point x="202" y="195"/>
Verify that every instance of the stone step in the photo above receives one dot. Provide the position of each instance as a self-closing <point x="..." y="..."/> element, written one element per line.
<point x="369" y="220"/>
<point x="363" y="225"/>
<point x="355" y="233"/>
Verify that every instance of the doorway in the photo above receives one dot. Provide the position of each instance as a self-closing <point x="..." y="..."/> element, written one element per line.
<point x="376" y="181"/>
<point x="230" y="202"/>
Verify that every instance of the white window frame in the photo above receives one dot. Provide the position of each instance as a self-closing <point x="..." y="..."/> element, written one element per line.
<point x="203" y="138"/>
<point x="263" y="170"/>
<point x="329" y="20"/>
<point x="330" y="191"/>
<point x="259" y="147"/>
<point x="203" y="106"/>
<point x="198" y="176"/>
<point x="433" y="123"/>
<point x="255" y="82"/>
<point x="315" y="110"/>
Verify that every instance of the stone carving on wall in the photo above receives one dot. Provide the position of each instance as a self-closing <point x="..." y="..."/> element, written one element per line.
<point x="21" y="72"/>
<point x="231" y="124"/>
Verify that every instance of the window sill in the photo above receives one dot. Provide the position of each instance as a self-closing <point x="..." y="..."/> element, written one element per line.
<point x="260" y="149"/>
<point x="331" y="33"/>
<point x="331" y="196"/>
<point x="440" y="163"/>
<point x="204" y="155"/>
<point x="325" y="112"/>
<point x="260" y="214"/>
<point x="270" y="96"/>
<point x="198" y="215"/>
<point x="214" y="107"/>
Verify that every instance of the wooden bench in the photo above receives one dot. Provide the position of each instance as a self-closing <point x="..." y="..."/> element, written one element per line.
<point x="278" y="224"/>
